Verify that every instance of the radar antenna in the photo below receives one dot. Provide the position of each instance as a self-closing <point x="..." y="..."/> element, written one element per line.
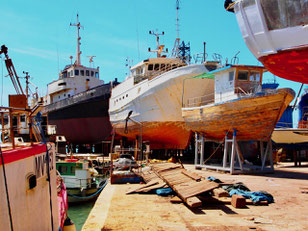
<point x="91" y="59"/>
<point x="160" y="48"/>
<point x="78" y="52"/>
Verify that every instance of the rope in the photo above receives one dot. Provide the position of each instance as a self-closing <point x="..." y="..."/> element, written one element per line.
<point x="92" y="195"/>
<point x="214" y="151"/>
<point x="49" y="184"/>
<point x="2" y="81"/>
<point x="6" y="189"/>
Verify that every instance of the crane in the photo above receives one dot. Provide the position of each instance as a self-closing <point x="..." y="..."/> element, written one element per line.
<point x="11" y="70"/>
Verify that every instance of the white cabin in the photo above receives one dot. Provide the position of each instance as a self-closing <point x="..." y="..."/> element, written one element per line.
<point x="75" y="78"/>
<point x="145" y="70"/>
<point x="234" y="81"/>
<point x="72" y="80"/>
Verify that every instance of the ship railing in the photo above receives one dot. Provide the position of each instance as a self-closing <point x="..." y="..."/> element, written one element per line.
<point x="152" y="74"/>
<point x="210" y="98"/>
<point x="284" y="125"/>
<point x="200" y="101"/>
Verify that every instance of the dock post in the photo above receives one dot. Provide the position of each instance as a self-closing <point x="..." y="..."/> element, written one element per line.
<point x="196" y="148"/>
<point x="201" y="149"/>
<point x="271" y="154"/>
<point x="233" y="152"/>
<point x="224" y="165"/>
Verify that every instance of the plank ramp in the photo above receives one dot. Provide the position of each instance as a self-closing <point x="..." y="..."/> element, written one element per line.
<point x="186" y="184"/>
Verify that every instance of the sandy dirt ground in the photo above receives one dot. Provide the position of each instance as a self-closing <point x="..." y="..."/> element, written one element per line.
<point x="115" y="210"/>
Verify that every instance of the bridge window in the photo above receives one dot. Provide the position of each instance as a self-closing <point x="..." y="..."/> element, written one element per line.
<point x="92" y="73"/>
<point x="22" y="118"/>
<point x="156" y="66"/>
<point x="231" y="76"/>
<point x="254" y="76"/>
<point x="150" y="67"/>
<point x="76" y="72"/>
<point x="242" y="75"/>
<point x="87" y="73"/>
<point x="82" y="72"/>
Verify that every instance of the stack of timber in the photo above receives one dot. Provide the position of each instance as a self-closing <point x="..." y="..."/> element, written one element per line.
<point x="190" y="188"/>
<point x="187" y="185"/>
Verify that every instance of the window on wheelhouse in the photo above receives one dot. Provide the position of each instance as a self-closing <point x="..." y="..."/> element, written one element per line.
<point x="92" y="73"/>
<point x="280" y="14"/>
<point x="242" y="75"/>
<point x="87" y="73"/>
<point x="150" y="67"/>
<point x="254" y="76"/>
<point x="22" y="118"/>
<point x="82" y="72"/>
<point x="156" y="67"/>
<point x="76" y="72"/>
<point x="231" y="76"/>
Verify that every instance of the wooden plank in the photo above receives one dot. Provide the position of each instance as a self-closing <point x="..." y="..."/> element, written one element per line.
<point x="148" y="189"/>
<point x="192" y="175"/>
<point x="151" y="183"/>
<point x="195" y="188"/>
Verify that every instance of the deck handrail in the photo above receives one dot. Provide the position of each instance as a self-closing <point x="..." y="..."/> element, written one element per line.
<point x="210" y="98"/>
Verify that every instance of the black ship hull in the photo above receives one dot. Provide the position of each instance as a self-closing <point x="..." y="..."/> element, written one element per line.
<point x="83" y="118"/>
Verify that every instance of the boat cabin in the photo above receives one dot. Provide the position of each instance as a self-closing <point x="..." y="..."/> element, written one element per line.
<point x="150" y="68"/>
<point x="72" y="80"/>
<point x="231" y="82"/>
<point x="236" y="81"/>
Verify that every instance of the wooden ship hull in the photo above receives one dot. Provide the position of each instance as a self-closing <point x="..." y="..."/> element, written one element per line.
<point x="253" y="117"/>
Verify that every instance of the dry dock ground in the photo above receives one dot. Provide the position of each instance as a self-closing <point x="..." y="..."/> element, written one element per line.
<point x="114" y="210"/>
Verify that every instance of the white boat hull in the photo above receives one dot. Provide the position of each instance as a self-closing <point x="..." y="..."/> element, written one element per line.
<point x="156" y="107"/>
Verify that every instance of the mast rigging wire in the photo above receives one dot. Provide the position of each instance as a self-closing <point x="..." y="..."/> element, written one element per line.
<point x="6" y="189"/>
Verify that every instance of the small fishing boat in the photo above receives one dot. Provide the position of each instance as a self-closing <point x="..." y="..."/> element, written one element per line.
<point x="239" y="104"/>
<point x="82" y="182"/>
<point x="276" y="33"/>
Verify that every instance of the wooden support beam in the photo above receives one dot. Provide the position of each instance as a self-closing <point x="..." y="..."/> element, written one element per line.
<point x="193" y="202"/>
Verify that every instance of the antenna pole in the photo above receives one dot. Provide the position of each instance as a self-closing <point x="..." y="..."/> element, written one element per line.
<point x="78" y="52"/>
<point x="175" y="51"/>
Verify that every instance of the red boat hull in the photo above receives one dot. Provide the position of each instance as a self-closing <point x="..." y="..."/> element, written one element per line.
<point x="289" y="64"/>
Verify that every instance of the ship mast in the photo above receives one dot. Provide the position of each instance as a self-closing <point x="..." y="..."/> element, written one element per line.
<point x="78" y="52"/>
<point x="175" y="51"/>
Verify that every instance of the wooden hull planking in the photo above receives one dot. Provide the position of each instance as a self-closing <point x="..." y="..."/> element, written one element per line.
<point x="254" y="118"/>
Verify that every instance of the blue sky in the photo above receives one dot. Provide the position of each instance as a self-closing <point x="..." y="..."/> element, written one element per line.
<point x="40" y="40"/>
